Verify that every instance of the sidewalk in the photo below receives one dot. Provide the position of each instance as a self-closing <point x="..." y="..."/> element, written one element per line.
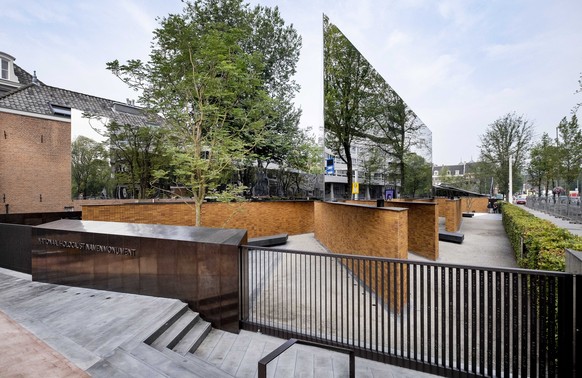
<point x="575" y="228"/>
<point x="24" y="355"/>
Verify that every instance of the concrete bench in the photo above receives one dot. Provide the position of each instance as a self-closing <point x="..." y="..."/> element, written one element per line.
<point x="268" y="241"/>
<point x="453" y="237"/>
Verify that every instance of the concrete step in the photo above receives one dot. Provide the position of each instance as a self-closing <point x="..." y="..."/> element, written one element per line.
<point x="197" y="365"/>
<point x="123" y="364"/>
<point x="195" y="336"/>
<point x="176" y="331"/>
<point x="169" y="319"/>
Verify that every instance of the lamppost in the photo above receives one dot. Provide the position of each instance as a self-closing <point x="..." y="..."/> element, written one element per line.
<point x="510" y="192"/>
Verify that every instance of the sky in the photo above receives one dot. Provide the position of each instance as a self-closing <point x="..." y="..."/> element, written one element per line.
<point x="459" y="64"/>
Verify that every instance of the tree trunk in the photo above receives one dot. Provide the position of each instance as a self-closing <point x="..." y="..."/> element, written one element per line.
<point x="198" y="210"/>
<point x="350" y="168"/>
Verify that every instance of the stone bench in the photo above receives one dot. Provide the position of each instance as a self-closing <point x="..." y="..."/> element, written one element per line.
<point x="268" y="241"/>
<point x="453" y="237"/>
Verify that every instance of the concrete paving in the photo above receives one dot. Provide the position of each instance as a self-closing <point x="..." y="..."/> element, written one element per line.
<point x="485" y="245"/>
<point x="575" y="228"/>
<point x="84" y="331"/>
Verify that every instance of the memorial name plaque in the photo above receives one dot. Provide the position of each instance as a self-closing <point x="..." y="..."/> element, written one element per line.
<point x="198" y="265"/>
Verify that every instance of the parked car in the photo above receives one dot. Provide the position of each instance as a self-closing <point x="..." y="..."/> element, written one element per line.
<point x="520" y="199"/>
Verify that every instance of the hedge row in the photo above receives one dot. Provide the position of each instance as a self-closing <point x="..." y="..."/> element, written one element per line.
<point x="543" y="242"/>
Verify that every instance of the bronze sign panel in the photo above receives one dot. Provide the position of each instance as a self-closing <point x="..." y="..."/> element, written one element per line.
<point x="197" y="265"/>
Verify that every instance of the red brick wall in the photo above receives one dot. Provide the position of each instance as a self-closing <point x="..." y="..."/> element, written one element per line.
<point x="451" y="210"/>
<point x="362" y="230"/>
<point x="368" y="231"/>
<point x="423" y="225"/>
<point x="258" y="218"/>
<point x="35" y="160"/>
<point x="474" y="204"/>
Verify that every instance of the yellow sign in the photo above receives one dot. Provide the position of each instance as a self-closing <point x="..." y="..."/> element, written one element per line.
<point x="355" y="188"/>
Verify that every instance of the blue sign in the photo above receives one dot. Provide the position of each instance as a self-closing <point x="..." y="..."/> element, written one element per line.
<point x="329" y="166"/>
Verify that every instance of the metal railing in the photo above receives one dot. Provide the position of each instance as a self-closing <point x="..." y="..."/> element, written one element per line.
<point x="561" y="207"/>
<point x="442" y="319"/>
<point x="289" y="343"/>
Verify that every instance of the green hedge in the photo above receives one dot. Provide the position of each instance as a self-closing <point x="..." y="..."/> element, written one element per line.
<point x="543" y="242"/>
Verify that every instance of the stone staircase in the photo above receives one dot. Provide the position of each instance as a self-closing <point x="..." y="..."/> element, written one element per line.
<point x="110" y="334"/>
<point x="167" y="352"/>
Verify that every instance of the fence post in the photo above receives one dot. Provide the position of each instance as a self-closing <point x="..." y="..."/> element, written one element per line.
<point x="577" y="326"/>
<point x="566" y="327"/>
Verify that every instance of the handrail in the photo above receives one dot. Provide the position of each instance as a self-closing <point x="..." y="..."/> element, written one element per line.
<point x="289" y="343"/>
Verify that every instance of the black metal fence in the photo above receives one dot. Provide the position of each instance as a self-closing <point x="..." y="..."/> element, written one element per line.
<point x="442" y="319"/>
<point x="562" y="207"/>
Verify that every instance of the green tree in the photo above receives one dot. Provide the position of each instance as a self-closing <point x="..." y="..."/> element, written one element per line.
<point x="394" y="127"/>
<point x="300" y="165"/>
<point x="579" y="90"/>
<point x="419" y="178"/>
<point x="569" y="151"/>
<point x="208" y="81"/>
<point x="89" y="167"/>
<point x="137" y="152"/>
<point x="543" y="165"/>
<point x="347" y="80"/>
<point x="510" y="135"/>
<point x="279" y="45"/>
<point x="372" y="162"/>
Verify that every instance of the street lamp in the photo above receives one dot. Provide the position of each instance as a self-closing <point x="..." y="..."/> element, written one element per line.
<point x="510" y="192"/>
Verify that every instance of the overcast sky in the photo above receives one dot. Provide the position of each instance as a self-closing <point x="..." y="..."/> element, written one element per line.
<point x="459" y="64"/>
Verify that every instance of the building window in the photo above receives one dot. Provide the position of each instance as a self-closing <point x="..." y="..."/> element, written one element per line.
<point x="448" y="173"/>
<point x="4" y="69"/>
<point x="457" y="172"/>
<point x="435" y="173"/>
<point x="62" y="111"/>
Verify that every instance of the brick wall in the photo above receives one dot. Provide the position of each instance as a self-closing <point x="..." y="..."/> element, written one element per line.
<point x="423" y="225"/>
<point x="368" y="231"/>
<point x="35" y="164"/>
<point x="258" y="218"/>
<point x="453" y="215"/>
<point x="474" y="204"/>
<point x="451" y="210"/>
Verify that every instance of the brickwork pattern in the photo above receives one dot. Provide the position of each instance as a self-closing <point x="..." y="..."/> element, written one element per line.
<point x="258" y="218"/>
<point x="35" y="164"/>
<point x="423" y="225"/>
<point x="474" y="204"/>
<point x="363" y="230"/>
<point x="453" y="215"/>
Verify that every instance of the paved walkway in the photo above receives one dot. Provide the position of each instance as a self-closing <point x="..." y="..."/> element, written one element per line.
<point x="69" y="330"/>
<point x="575" y="228"/>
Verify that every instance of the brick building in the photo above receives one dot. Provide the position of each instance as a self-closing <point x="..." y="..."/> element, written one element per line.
<point x="35" y="138"/>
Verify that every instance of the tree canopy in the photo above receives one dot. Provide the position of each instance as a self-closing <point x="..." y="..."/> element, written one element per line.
<point x="89" y="167"/>
<point x="219" y="74"/>
<point x="510" y="135"/>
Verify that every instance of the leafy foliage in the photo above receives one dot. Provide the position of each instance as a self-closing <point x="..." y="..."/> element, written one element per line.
<point x="419" y="176"/>
<point x="543" y="166"/>
<point x="544" y="243"/>
<point x="90" y="167"/>
<point x="510" y="135"/>
<point x="569" y="151"/>
<point x="220" y="76"/>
